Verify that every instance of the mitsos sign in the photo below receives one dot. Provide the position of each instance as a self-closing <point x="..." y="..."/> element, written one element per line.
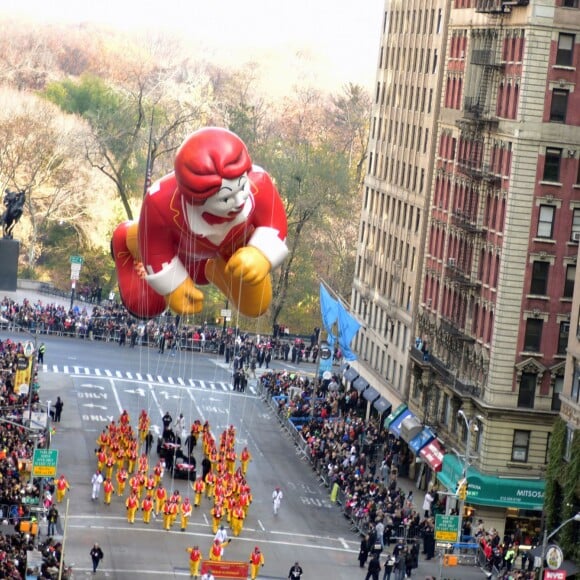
<point x="505" y="492"/>
<point x="534" y="493"/>
<point x="493" y="490"/>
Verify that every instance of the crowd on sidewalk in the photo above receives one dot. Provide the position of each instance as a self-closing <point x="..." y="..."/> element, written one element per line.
<point x="18" y="494"/>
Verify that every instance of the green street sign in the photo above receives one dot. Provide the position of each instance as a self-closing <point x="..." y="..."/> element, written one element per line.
<point x="76" y="260"/>
<point x="44" y="462"/>
<point x="446" y="528"/>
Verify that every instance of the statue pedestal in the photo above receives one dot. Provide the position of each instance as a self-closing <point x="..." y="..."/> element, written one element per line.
<point x="9" y="251"/>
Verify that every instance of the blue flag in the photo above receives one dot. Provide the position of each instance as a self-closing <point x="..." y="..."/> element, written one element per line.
<point x="329" y="313"/>
<point x="347" y="327"/>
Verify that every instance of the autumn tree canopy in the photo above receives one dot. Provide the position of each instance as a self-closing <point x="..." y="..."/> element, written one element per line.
<point x="84" y="113"/>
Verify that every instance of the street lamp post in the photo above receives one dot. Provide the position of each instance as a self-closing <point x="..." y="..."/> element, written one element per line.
<point x="546" y="537"/>
<point x="470" y="424"/>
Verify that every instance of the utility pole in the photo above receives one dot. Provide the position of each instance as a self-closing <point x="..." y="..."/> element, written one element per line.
<point x="470" y="425"/>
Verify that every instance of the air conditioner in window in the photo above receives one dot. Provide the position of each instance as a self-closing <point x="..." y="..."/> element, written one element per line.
<point x="576" y="236"/>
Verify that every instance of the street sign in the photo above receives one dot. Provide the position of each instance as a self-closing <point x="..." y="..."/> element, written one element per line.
<point x="76" y="260"/>
<point x="21" y="363"/>
<point x="28" y="348"/>
<point x="226" y="313"/>
<point x="446" y="528"/>
<point x="44" y="462"/>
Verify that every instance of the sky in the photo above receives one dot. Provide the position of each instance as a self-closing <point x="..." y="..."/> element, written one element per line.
<point x="343" y="33"/>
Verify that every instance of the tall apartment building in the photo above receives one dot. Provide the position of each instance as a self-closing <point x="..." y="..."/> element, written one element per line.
<point x="397" y="186"/>
<point x="494" y="287"/>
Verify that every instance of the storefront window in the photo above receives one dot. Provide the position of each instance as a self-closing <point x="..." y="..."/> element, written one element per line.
<point x="523" y="526"/>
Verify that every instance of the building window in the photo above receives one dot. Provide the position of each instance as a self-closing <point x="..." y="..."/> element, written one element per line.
<point x="539" y="283"/>
<point x="533" y="336"/>
<point x="565" y="54"/>
<point x="569" y="281"/>
<point x="546" y="221"/>
<point x="569" y="441"/>
<point x="563" y="337"/>
<point x="559" y="105"/>
<point x="575" y="233"/>
<point x="570" y="3"/>
<point x="445" y="410"/>
<point x="558" y="384"/>
<point x="552" y="164"/>
<point x="527" y="393"/>
<point x="521" y="446"/>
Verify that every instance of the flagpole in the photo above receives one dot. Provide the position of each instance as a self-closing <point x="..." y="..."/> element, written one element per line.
<point x="148" y="164"/>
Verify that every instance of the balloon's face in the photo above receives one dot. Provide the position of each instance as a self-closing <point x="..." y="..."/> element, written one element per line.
<point x="230" y="200"/>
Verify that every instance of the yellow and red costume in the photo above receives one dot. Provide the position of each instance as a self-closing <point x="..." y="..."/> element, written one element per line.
<point x="256" y="560"/>
<point x="160" y="497"/>
<point x="132" y="503"/>
<point x="185" y="510"/>
<point x="245" y="459"/>
<point x="216" y="551"/>
<point x="195" y="559"/>
<point x="62" y="486"/>
<point x="198" y="488"/>
<point x="108" y="489"/>
<point x="121" y="477"/>
<point x="147" y="508"/>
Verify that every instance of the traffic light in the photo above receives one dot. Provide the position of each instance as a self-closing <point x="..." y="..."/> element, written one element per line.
<point x="461" y="490"/>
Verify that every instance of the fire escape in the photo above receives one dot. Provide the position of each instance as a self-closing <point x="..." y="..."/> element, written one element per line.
<point x="498" y="7"/>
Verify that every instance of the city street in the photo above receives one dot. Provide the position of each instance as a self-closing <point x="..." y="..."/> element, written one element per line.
<point x="98" y="381"/>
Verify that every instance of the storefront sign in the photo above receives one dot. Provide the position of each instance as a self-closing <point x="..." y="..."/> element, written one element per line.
<point x="491" y="490"/>
<point x="395" y="426"/>
<point x="398" y="411"/>
<point x="554" y="574"/>
<point x="433" y="455"/>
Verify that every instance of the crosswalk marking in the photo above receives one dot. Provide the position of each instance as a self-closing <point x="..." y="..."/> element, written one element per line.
<point x="143" y="377"/>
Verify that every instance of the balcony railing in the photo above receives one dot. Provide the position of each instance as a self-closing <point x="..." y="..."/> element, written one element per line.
<point x="457" y="275"/>
<point x="497" y="6"/>
<point x="444" y="374"/>
<point x="485" y="57"/>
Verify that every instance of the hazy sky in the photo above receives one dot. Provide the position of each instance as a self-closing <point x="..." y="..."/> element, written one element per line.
<point x="343" y="32"/>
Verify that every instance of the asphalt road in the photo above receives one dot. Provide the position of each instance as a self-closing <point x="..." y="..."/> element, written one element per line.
<point x="97" y="381"/>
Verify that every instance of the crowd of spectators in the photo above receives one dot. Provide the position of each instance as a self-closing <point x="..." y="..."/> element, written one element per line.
<point x="356" y="454"/>
<point x="109" y="321"/>
<point x="19" y="496"/>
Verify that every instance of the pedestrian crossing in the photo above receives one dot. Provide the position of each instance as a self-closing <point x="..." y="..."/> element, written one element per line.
<point x="219" y="386"/>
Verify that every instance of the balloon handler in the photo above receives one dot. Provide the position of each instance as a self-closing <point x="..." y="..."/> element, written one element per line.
<point x="217" y="218"/>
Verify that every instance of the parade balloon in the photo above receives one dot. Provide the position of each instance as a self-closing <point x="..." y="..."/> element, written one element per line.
<point x="217" y="218"/>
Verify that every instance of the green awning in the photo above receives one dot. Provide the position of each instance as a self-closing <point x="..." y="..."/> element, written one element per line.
<point x="492" y="490"/>
<point x="394" y="414"/>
